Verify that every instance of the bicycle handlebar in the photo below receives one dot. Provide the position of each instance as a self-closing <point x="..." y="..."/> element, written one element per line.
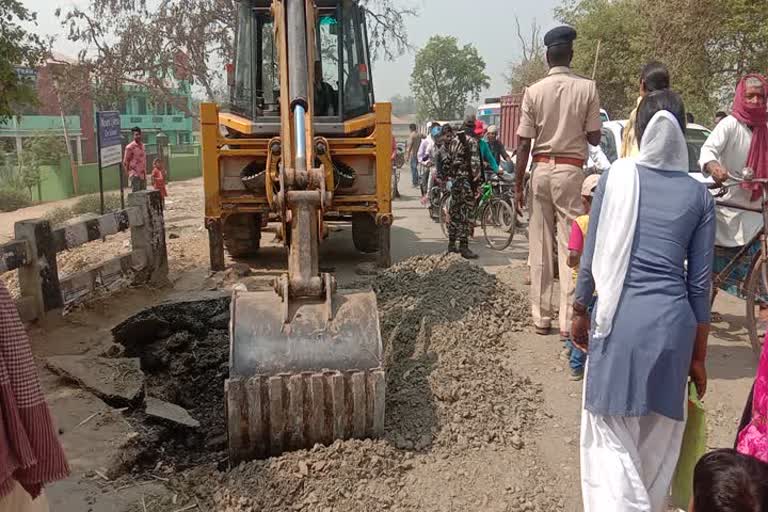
<point x="747" y="177"/>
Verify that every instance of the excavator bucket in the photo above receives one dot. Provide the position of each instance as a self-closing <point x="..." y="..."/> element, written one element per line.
<point x="311" y="379"/>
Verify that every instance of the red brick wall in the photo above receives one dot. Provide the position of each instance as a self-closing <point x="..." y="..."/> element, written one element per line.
<point x="49" y="106"/>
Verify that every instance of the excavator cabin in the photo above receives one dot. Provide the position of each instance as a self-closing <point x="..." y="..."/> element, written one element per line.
<point x="346" y="131"/>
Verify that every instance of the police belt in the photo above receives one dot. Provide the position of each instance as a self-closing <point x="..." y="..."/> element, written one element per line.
<point x="558" y="160"/>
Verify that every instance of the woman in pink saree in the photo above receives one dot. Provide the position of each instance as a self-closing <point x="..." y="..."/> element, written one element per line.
<point x="753" y="434"/>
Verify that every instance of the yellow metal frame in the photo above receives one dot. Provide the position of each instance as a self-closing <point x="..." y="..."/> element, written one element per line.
<point x="377" y="145"/>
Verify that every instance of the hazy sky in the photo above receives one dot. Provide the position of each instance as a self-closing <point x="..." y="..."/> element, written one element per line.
<point x="488" y="24"/>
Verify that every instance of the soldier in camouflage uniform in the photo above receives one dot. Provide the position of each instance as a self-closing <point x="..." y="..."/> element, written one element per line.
<point x="461" y="162"/>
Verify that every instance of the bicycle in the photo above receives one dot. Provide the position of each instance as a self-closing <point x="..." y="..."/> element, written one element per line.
<point x="435" y="198"/>
<point x="494" y="212"/>
<point x="755" y="289"/>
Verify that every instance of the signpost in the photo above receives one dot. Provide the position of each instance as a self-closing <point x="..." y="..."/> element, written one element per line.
<point x="25" y="73"/>
<point x="110" y="149"/>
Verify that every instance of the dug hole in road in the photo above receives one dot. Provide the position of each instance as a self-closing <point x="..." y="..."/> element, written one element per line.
<point x="480" y="413"/>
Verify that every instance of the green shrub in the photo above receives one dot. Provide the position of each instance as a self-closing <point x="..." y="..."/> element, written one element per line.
<point x="13" y="199"/>
<point x="92" y="204"/>
<point x="86" y="204"/>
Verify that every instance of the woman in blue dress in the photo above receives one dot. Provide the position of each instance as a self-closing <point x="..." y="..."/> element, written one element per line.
<point x="648" y="256"/>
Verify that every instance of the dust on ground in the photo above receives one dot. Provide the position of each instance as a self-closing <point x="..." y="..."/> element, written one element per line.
<point x="452" y="393"/>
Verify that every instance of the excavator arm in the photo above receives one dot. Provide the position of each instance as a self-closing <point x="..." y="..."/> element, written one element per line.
<point x="305" y="358"/>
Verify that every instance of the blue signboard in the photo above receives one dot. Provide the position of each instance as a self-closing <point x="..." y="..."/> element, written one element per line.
<point x="109" y="138"/>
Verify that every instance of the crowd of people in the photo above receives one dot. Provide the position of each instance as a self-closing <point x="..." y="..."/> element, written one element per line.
<point x="464" y="157"/>
<point x="643" y="239"/>
<point x="636" y="248"/>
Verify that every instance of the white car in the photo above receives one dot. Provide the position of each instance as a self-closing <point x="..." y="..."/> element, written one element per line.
<point x="695" y="136"/>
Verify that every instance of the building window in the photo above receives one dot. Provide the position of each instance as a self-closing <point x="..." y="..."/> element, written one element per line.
<point x="141" y="106"/>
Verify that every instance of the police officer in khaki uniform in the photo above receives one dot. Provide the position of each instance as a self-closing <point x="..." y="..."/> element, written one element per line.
<point x="560" y="114"/>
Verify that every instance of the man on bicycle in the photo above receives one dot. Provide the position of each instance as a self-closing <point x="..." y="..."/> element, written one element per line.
<point x="738" y="141"/>
<point x="728" y="149"/>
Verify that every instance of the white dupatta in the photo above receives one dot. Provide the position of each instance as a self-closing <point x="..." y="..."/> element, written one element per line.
<point x="662" y="148"/>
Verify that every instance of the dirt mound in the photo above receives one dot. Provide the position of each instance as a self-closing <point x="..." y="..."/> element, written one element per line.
<point x="349" y="475"/>
<point x="447" y="327"/>
<point x="184" y="351"/>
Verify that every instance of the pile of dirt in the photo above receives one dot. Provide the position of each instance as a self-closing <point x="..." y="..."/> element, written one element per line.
<point x="184" y="351"/>
<point x="348" y="475"/>
<point x="447" y="327"/>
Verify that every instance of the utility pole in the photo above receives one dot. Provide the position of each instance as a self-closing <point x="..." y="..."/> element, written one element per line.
<point x="72" y="162"/>
<point x="597" y="57"/>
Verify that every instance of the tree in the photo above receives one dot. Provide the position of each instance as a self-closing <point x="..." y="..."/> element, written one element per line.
<point x="128" y="42"/>
<point x="532" y="64"/>
<point x="706" y="44"/>
<point x="623" y="49"/>
<point x="445" y="78"/>
<point x="18" y="47"/>
<point x="403" y="105"/>
<point x="39" y="150"/>
<point x="154" y="44"/>
<point x="385" y="19"/>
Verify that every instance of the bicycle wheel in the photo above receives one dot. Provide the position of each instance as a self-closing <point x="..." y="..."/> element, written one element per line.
<point x="444" y="213"/>
<point x="435" y="198"/>
<point x="757" y="303"/>
<point x="498" y="220"/>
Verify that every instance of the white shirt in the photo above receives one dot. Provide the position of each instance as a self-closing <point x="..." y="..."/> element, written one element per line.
<point x="425" y="149"/>
<point x="597" y="158"/>
<point x="728" y="144"/>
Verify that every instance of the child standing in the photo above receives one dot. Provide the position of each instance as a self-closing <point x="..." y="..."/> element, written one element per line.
<point x="158" y="179"/>
<point x="579" y="228"/>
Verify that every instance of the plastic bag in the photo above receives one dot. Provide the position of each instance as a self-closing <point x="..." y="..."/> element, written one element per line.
<point x="693" y="448"/>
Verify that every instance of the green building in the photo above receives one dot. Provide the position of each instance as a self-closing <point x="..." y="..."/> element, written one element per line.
<point x="77" y="123"/>
<point x="155" y="117"/>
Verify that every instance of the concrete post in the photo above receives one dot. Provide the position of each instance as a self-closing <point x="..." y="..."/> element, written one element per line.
<point x="79" y="150"/>
<point x="150" y="237"/>
<point x="39" y="280"/>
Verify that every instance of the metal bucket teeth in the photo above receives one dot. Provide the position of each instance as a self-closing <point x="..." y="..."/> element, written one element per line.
<point x="312" y="380"/>
<point x="267" y="415"/>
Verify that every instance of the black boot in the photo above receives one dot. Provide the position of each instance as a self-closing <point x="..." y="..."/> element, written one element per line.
<point x="466" y="253"/>
<point x="452" y="246"/>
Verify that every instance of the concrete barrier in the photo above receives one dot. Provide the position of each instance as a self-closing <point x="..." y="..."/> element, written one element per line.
<point x="33" y="255"/>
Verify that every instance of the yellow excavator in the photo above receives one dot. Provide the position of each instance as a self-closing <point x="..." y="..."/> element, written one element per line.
<point x="303" y="144"/>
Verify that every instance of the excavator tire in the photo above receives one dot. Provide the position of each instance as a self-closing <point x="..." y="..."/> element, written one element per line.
<point x="242" y="234"/>
<point x="365" y="233"/>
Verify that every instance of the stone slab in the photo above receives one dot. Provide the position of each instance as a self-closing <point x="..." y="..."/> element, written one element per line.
<point x="118" y="381"/>
<point x="168" y="412"/>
